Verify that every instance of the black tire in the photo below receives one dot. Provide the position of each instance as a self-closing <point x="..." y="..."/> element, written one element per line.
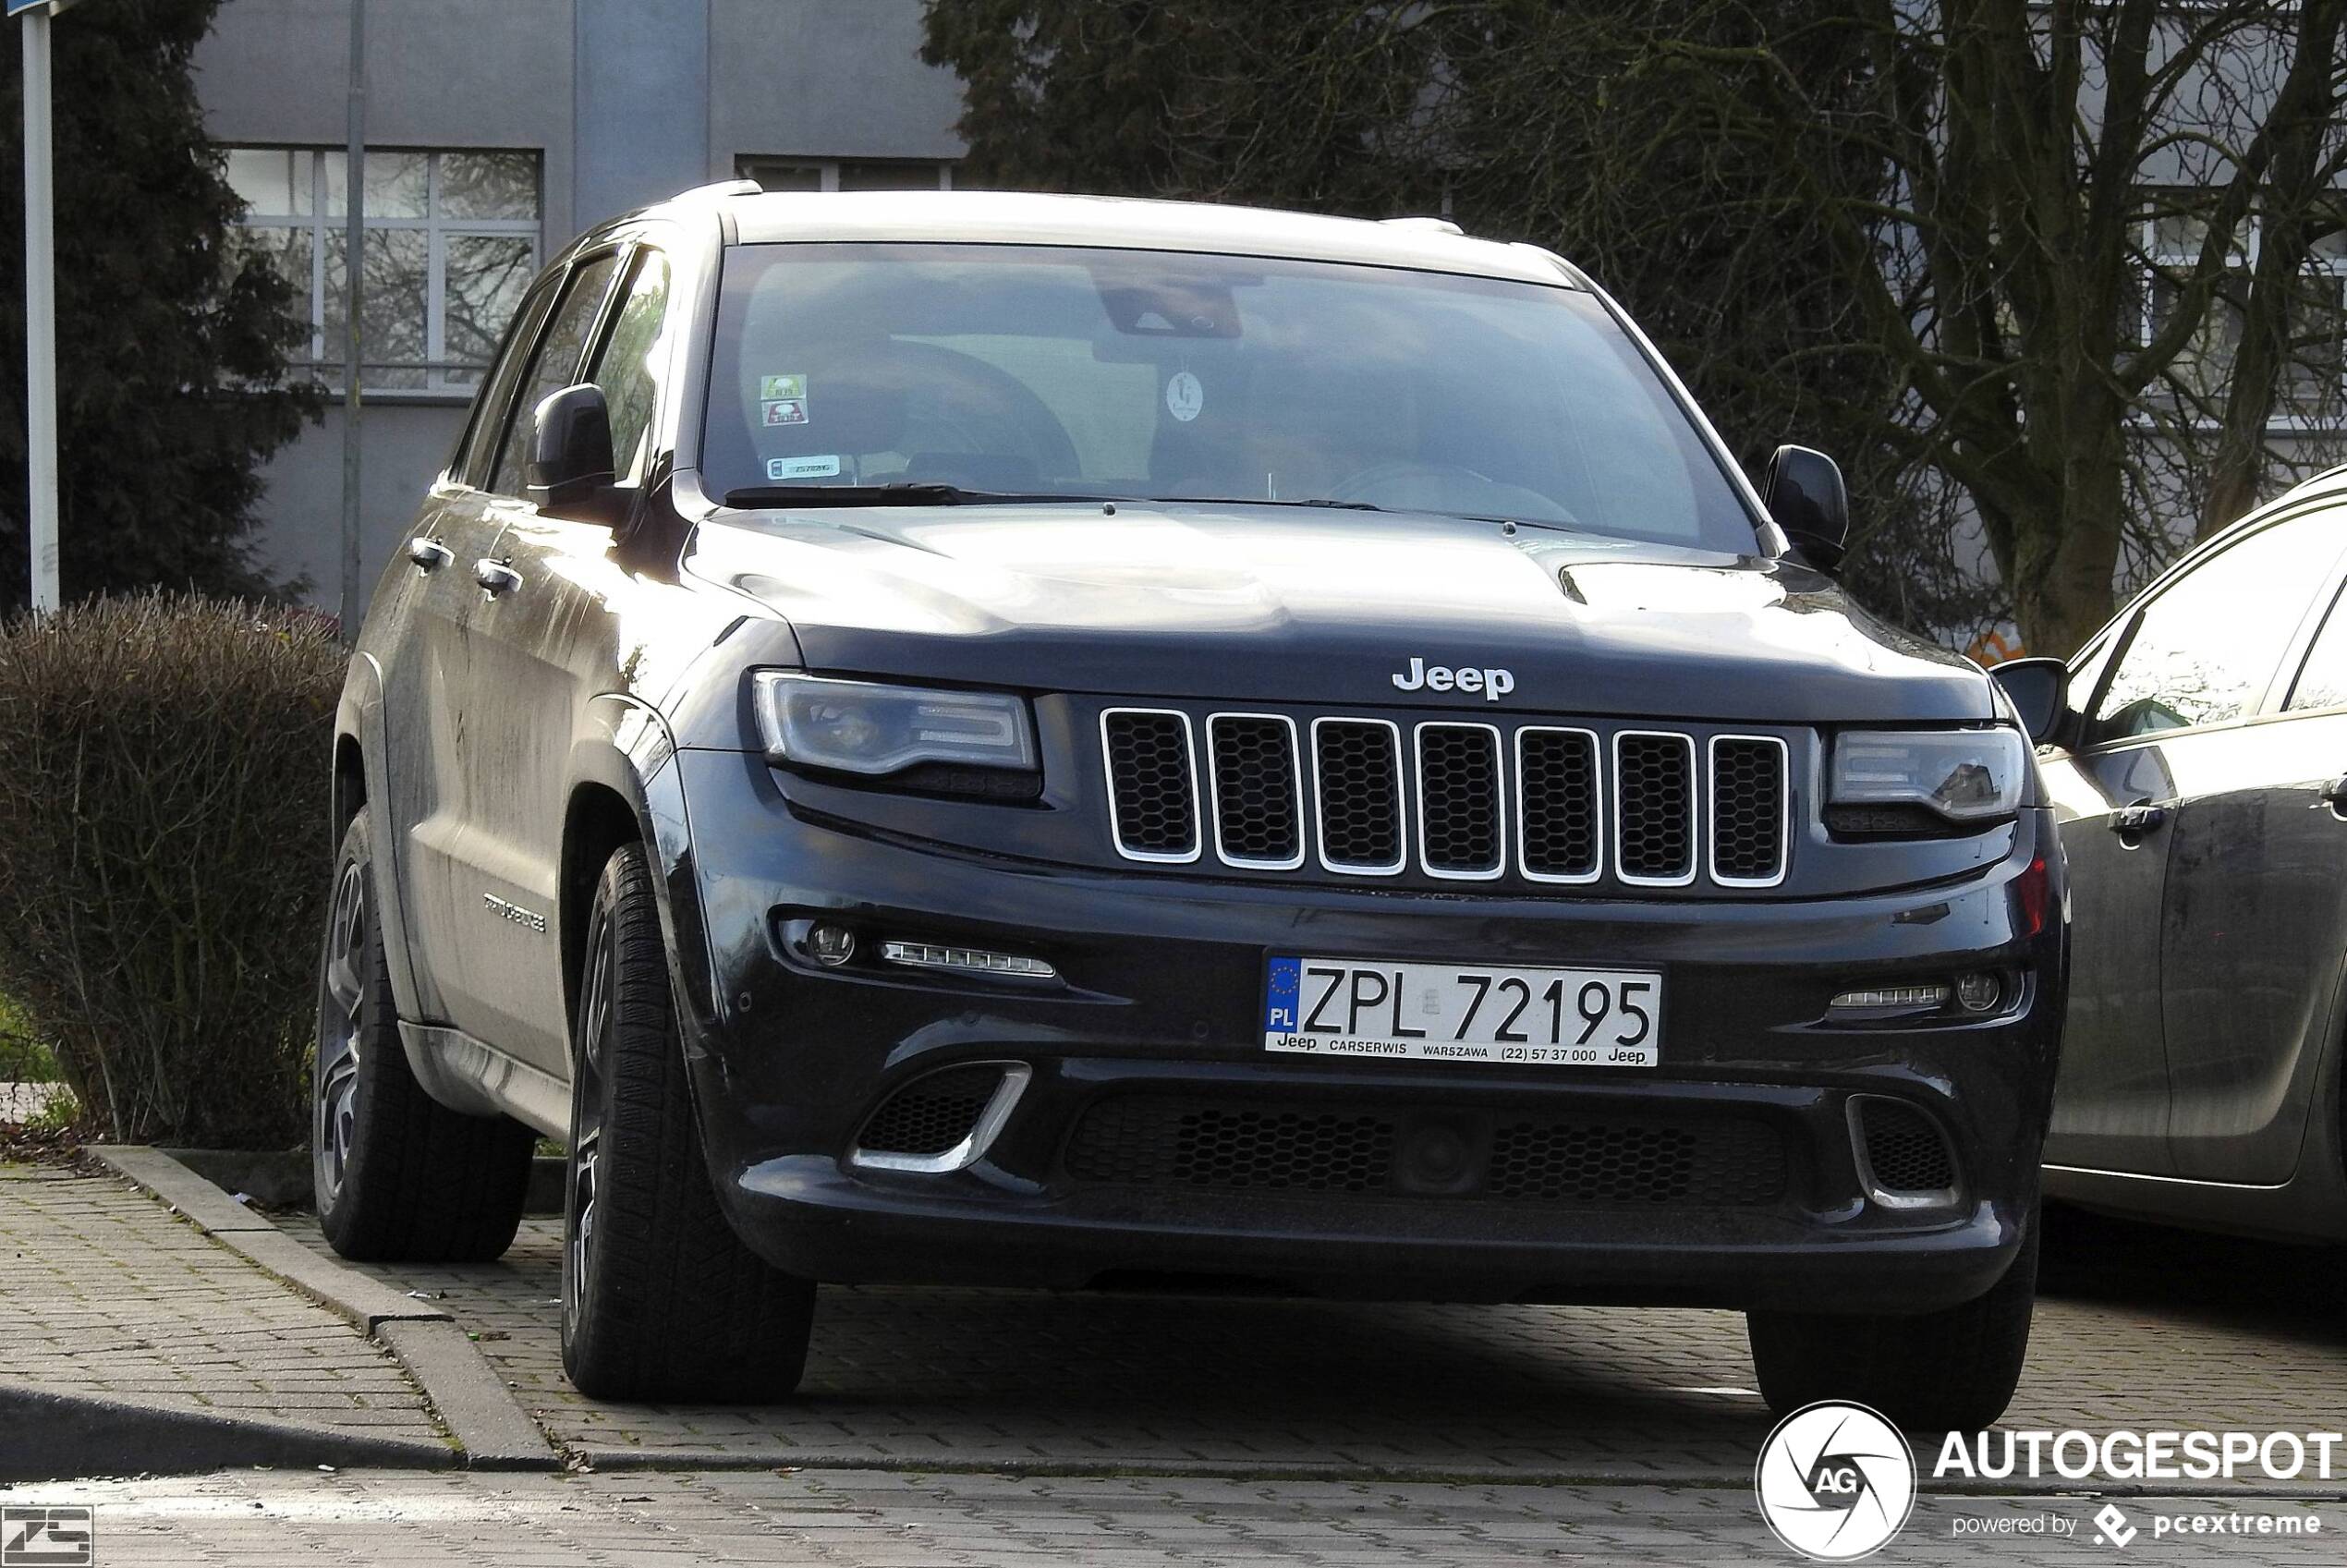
<point x="661" y="1300"/>
<point x="1947" y="1371"/>
<point x="399" y="1178"/>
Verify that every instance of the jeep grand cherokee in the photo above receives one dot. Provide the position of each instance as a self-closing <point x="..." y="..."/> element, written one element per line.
<point x="1047" y="741"/>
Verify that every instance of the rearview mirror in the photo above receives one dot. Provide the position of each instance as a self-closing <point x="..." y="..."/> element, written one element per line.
<point x="570" y="454"/>
<point x="1806" y="495"/>
<point x="2038" y="690"/>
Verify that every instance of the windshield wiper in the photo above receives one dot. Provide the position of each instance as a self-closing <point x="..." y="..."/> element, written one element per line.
<point x="898" y="493"/>
<point x="1259" y="501"/>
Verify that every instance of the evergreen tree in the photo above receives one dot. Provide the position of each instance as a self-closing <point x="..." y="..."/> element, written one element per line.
<point x="171" y="343"/>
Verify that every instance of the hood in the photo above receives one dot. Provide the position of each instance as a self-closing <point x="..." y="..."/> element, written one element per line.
<point x="1317" y="605"/>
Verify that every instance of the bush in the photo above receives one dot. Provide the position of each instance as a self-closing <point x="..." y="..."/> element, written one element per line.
<point x="165" y="828"/>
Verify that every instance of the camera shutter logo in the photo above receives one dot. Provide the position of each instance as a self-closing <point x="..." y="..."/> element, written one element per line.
<point x="45" y="1538"/>
<point x="1835" y="1481"/>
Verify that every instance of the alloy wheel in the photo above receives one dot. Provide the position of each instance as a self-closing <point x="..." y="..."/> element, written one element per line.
<point x="586" y="1116"/>
<point x="341" y="1008"/>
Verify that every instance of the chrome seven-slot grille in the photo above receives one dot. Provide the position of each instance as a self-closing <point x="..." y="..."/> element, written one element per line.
<point x="1460" y="800"/>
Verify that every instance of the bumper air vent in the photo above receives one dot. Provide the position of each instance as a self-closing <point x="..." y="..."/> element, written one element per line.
<point x="1565" y="1162"/>
<point x="1902" y="1154"/>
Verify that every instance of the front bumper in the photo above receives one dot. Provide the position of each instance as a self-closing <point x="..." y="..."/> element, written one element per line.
<point x="1159" y="1006"/>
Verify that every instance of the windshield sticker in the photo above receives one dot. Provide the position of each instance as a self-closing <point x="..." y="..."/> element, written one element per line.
<point x="786" y="411"/>
<point x="802" y="467"/>
<point x="774" y="389"/>
<point x="1184" y="396"/>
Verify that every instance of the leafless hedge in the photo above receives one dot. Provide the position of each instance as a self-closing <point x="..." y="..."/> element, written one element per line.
<point x="163" y="838"/>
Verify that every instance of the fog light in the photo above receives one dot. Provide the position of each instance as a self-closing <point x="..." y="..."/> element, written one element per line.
<point x="969" y="960"/>
<point x="1978" y="991"/>
<point x="1879" y="998"/>
<point x="832" y="946"/>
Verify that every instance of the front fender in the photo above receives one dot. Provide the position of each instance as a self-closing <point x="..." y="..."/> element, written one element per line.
<point x="631" y="752"/>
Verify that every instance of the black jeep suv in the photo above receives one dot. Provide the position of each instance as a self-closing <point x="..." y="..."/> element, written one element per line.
<point x="1047" y="741"/>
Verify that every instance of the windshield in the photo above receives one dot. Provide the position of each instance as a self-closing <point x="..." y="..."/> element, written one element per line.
<point x="1060" y="372"/>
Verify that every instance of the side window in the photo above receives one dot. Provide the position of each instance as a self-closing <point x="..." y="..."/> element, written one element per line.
<point x="481" y="432"/>
<point x="555" y="366"/>
<point x="630" y="366"/>
<point x="2204" y="648"/>
<point x="2322" y="679"/>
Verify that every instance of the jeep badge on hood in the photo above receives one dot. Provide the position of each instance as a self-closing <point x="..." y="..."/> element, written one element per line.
<point x="1493" y="684"/>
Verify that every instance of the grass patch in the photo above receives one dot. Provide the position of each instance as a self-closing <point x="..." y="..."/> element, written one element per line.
<point x="23" y="1058"/>
<point x="59" y="1112"/>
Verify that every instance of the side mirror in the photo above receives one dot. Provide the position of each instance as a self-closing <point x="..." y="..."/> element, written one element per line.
<point x="570" y="456"/>
<point x="1806" y="495"/>
<point x="2038" y="690"/>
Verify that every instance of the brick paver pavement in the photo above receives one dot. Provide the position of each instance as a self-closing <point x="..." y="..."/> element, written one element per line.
<point x="2141" y="1329"/>
<point x="883" y="1520"/>
<point x="102" y="1291"/>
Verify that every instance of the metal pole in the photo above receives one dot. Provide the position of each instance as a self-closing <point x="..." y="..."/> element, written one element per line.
<point x="353" y="259"/>
<point x="40" y="314"/>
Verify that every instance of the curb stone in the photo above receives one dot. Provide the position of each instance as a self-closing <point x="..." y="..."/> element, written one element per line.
<point x="208" y="1208"/>
<point x="497" y="1433"/>
<point x="492" y="1429"/>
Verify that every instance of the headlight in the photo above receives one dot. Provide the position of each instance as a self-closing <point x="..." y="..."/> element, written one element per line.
<point x="864" y="727"/>
<point x="1965" y="775"/>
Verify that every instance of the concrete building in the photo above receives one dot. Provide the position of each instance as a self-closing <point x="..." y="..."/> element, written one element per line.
<point x="496" y="132"/>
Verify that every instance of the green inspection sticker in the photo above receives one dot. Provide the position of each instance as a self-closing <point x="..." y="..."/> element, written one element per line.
<point x="772" y="389"/>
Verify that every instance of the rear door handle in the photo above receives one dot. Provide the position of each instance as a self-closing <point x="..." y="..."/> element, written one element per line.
<point x="496" y="579"/>
<point x="2141" y="818"/>
<point x="429" y="554"/>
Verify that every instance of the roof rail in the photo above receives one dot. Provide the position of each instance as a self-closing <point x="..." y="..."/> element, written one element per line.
<point x="723" y="188"/>
<point x="1428" y="226"/>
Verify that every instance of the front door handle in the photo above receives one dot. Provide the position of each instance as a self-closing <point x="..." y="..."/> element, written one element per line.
<point x="2141" y="818"/>
<point x="429" y="554"/>
<point x="496" y="579"/>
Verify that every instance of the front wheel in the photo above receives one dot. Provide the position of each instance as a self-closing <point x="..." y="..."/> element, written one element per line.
<point x="661" y="1300"/>
<point x="398" y="1176"/>
<point x="1947" y="1371"/>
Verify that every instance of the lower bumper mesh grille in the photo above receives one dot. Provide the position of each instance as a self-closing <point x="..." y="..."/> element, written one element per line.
<point x="1904" y="1148"/>
<point x="1567" y="1160"/>
<point x="931" y="1114"/>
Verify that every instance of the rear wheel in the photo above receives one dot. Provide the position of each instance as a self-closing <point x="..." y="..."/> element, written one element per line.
<point x="661" y="1300"/>
<point x="1947" y="1371"/>
<point x="398" y="1176"/>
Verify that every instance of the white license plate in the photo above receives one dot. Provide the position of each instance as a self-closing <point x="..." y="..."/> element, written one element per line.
<point x="1463" y="1012"/>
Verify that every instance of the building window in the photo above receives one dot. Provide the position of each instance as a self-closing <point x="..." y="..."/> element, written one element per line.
<point x="452" y="241"/>
<point x="846" y="173"/>
<point x="2312" y="392"/>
